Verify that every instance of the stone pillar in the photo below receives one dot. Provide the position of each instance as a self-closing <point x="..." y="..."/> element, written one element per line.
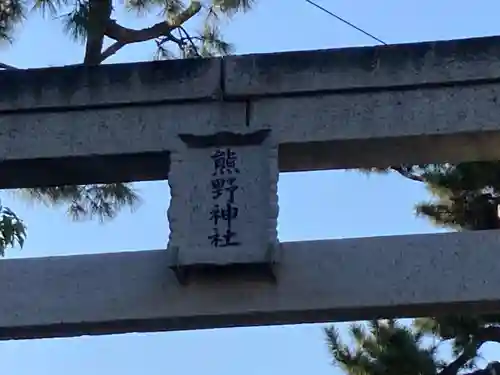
<point x="224" y="206"/>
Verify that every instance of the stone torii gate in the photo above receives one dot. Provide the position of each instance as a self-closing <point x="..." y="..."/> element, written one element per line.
<point x="220" y="130"/>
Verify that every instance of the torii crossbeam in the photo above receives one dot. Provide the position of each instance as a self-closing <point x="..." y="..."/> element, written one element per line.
<point x="343" y="108"/>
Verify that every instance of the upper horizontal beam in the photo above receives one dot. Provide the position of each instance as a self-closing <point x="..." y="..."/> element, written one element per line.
<point x="400" y="276"/>
<point x="414" y="103"/>
<point x="243" y="76"/>
<point x="78" y="86"/>
<point x="362" y="68"/>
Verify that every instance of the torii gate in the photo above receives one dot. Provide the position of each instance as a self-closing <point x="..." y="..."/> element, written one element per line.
<point x="220" y="129"/>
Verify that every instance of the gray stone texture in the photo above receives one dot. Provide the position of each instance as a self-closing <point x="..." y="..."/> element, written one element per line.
<point x="319" y="281"/>
<point x="362" y="68"/>
<point x="409" y="103"/>
<point x="422" y="102"/>
<point x="449" y="124"/>
<point x="80" y="86"/>
<point x="387" y="114"/>
<point x="112" y="131"/>
<point x="245" y="204"/>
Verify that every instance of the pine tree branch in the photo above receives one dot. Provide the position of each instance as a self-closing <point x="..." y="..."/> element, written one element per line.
<point x="111" y="50"/>
<point x="190" y="39"/>
<point x="407" y="174"/>
<point x="124" y="35"/>
<point x="181" y="40"/>
<point x="469" y="353"/>
<point x="490" y="333"/>
<point x="493" y="368"/>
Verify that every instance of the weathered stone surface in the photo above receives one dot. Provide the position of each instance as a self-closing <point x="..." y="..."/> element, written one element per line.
<point x="436" y="119"/>
<point x="318" y="281"/>
<point x="362" y="68"/>
<point x="90" y="169"/>
<point x="80" y="86"/>
<point x="315" y="130"/>
<point x="114" y="131"/>
<point x="224" y="206"/>
<point x="315" y="133"/>
<point x="384" y="152"/>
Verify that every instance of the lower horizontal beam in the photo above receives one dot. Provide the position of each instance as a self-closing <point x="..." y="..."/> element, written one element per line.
<point x="318" y="281"/>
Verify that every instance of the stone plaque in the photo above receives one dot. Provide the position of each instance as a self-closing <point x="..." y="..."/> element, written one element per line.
<point x="224" y="206"/>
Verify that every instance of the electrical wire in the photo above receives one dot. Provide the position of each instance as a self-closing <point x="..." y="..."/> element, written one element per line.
<point x="310" y="2"/>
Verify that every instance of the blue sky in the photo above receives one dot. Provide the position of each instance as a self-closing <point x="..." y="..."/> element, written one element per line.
<point x="312" y="205"/>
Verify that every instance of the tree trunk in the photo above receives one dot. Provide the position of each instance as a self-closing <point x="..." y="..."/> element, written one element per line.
<point x="98" y="18"/>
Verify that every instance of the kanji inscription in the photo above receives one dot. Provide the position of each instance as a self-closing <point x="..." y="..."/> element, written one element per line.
<point x="224" y="204"/>
<point x="224" y="184"/>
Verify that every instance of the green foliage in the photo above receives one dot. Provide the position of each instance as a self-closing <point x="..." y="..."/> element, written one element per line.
<point x="11" y="13"/>
<point x="12" y="230"/>
<point x="75" y="17"/>
<point x="387" y="347"/>
<point x="101" y="201"/>
<point x="383" y="347"/>
<point x="465" y="197"/>
<point x="92" y="22"/>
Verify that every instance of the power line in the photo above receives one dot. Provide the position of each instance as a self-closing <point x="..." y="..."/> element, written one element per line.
<point x="345" y="21"/>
